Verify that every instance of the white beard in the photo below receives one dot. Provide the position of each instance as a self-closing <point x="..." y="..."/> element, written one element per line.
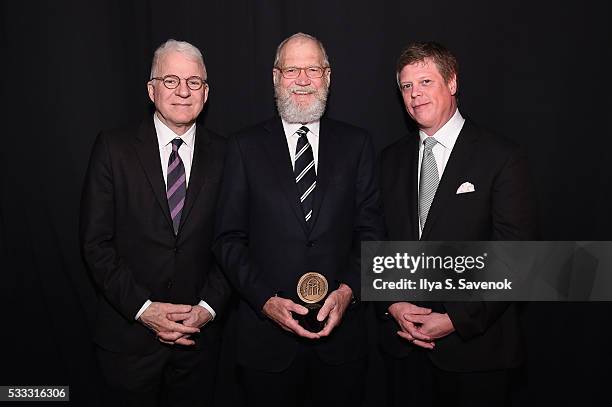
<point x="293" y="112"/>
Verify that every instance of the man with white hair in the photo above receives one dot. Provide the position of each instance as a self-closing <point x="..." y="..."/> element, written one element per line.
<point x="299" y="195"/>
<point x="147" y="221"/>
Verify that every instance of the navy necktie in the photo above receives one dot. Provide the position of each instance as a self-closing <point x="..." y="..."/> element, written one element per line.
<point x="305" y="175"/>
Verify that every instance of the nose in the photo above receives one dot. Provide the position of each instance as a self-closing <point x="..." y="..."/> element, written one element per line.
<point x="302" y="79"/>
<point x="182" y="89"/>
<point x="416" y="91"/>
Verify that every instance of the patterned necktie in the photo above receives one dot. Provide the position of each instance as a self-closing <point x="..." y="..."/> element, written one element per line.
<point x="429" y="179"/>
<point x="305" y="175"/>
<point x="177" y="186"/>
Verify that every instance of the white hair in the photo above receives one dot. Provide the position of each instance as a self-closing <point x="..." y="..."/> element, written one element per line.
<point x="294" y="112"/>
<point x="183" y="47"/>
<point x="302" y="36"/>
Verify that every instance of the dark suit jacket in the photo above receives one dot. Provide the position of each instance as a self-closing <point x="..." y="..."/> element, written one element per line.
<point x="501" y="208"/>
<point x="264" y="244"/>
<point x="127" y="237"/>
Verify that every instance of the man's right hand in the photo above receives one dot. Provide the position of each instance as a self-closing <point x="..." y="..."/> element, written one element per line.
<point x="409" y="330"/>
<point x="155" y="317"/>
<point x="279" y="310"/>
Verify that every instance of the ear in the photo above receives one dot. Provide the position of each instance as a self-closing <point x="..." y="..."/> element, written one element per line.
<point x="328" y="76"/>
<point x="452" y="85"/>
<point x="275" y="73"/>
<point x="151" y="91"/>
<point x="205" y="98"/>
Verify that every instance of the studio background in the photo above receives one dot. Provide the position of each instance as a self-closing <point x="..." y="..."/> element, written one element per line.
<point x="535" y="72"/>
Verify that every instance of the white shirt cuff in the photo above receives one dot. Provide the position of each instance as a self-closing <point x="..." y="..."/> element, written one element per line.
<point x="143" y="308"/>
<point x="208" y="308"/>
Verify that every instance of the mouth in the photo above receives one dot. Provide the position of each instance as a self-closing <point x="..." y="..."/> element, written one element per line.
<point x="302" y="92"/>
<point x="419" y="106"/>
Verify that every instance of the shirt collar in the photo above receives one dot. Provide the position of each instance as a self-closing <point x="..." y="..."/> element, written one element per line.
<point x="291" y="128"/>
<point x="447" y="134"/>
<point x="165" y="135"/>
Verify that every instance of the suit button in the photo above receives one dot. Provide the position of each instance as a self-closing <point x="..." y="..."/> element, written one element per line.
<point x="176" y="250"/>
<point x="310" y="244"/>
<point x="169" y="285"/>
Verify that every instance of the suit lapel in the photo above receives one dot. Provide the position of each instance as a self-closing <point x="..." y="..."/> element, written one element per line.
<point x="399" y="177"/>
<point x="275" y="145"/>
<point x="409" y="178"/>
<point x="329" y="152"/>
<point x="147" y="149"/>
<point x="459" y="160"/>
<point x="203" y="159"/>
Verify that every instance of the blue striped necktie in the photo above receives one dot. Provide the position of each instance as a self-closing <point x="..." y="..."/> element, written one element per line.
<point x="177" y="185"/>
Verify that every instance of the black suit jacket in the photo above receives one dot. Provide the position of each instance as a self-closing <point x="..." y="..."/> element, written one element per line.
<point x="264" y="245"/>
<point x="127" y="237"/>
<point x="501" y="208"/>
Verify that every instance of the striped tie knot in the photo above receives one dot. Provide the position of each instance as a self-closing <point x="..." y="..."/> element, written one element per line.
<point x="302" y="131"/>
<point x="176" y="143"/>
<point x="429" y="143"/>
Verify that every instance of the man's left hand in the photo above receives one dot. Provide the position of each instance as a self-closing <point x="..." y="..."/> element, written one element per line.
<point x="196" y="318"/>
<point x="434" y="325"/>
<point x="333" y="308"/>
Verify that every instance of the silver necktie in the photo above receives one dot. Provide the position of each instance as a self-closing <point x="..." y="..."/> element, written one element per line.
<point x="429" y="180"/>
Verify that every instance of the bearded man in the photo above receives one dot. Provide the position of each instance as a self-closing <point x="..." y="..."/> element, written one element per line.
<point x="298" y="197"/>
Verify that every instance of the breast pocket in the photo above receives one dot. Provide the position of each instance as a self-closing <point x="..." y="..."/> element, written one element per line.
<point x="472" y="206"/>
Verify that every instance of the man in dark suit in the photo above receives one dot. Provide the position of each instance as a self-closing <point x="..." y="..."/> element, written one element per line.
<point x="147" y="224"/>
<point x="299" y="195"/>
<point x="451" y="181"/>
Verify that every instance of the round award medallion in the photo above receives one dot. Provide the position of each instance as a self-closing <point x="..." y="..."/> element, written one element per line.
<point x="312" y="287"/>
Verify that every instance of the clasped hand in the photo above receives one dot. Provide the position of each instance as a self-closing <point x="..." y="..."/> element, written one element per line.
<point x="419" y="325"/>
<point x="175" y="323"/>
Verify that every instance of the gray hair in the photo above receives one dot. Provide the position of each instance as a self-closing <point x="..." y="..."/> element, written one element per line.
<point x="182" y="47"/>
<point x="301" y="36"/>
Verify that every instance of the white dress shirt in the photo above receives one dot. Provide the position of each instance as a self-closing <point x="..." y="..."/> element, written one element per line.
<point x="164" y="138"/>
<point x="446" y="137"/>
<point x="312" y="136"/>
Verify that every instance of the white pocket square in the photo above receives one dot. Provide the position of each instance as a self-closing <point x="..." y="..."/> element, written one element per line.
<point x="465" y="188"/>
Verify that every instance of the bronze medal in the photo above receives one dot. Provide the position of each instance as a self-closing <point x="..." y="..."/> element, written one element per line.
<point x="312" y="287"/>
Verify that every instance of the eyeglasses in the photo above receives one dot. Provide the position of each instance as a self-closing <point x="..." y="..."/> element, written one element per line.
<point x="292" y="72"/>
<point x="173" y="82"/>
